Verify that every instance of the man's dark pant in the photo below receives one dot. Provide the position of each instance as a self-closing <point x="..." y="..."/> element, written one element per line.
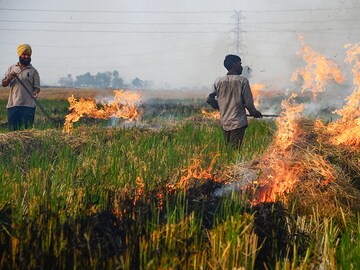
<point x="21" y="117"/>
<point x="235" y="136"/>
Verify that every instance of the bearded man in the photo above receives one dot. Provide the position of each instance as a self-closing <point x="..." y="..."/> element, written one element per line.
<point x="21" y="106"/>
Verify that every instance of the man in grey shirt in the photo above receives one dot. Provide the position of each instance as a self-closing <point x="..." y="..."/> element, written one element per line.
<point x="231" y="95"/>
<point x="21" y="106"/>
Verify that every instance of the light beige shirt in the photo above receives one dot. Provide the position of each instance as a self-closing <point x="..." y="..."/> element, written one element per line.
<point x="233" y="95"/>
<point x="18" y="95"/>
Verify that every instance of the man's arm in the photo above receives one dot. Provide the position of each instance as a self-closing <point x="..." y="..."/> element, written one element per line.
<point x="212" y="100"/>
<point x="249" y="100"/>
<point x="36" y="92"/>
<point x="8" y="78"/>
<point x="36" y="85"/>
<point x="5" y="82"/>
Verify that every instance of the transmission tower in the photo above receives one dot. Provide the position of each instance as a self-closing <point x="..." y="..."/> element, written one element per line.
<point x="238" y="44"/>
<point x="238" y="40"/>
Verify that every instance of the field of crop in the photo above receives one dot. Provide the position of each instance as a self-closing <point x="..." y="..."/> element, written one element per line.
<point x="165" y="192"/>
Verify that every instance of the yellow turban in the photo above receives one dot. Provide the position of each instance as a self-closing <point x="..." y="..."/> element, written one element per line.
<point x="24" y="48"/>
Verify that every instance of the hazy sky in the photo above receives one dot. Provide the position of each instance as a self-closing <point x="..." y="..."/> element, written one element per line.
<point x="179" y="43"/>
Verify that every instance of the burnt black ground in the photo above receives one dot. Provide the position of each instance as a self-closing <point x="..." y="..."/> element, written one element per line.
<point x="106" y="235"/>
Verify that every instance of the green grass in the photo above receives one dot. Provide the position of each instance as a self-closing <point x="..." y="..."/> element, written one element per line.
<point x="92" y="199"/>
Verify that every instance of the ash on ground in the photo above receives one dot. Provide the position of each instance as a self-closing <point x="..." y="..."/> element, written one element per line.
<point x="240" y="177"/>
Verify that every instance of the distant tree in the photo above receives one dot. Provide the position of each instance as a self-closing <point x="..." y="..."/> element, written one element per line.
<point x="137" y="83"/>
<point x="117" y="81"/>
<point x="67" y="81"/>
<point x="148" y="84"/>
<point x="102" y="80"/>
<point x="85" y="80"/>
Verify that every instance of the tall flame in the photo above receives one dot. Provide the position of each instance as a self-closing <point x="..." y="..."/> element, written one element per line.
<point x="283" y="164"/>
<point x="287" y="123"/>
<point x="346" y="130"/>
<point x="318" y="71"/>
<point x="123" y="106"/>
<point x="281" y="170"/>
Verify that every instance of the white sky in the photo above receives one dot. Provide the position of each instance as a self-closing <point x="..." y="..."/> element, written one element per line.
<point x="178" y="43"/>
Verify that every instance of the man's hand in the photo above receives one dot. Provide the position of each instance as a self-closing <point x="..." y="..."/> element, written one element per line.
<point x="212" y="101"/>
<point x="257" y="114"/>
<point x="214" y="104"/>
<point x="6" y="81"/>
<point x="11" y="76"/>
<point x="36" y="92"/>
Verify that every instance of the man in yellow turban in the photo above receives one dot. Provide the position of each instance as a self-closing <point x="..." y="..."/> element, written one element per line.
<point x="21" y="106"/>
<point x="24" y="48"/>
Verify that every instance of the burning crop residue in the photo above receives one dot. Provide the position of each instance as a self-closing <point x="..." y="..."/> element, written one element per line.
<point x="287" y="123"/>
<point x="317" y="73"/>
<point x="194" y="172"/>
<point x="345" y="131"/>
<point x="294" y="156"/>
<point x="280" y="169"/>
<point x="123" y="105"/>
<point x="210" y="115"/>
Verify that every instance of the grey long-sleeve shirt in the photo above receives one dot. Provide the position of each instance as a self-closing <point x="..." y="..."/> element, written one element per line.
<point x="233" y="95"/>
<point x="18" y="96"/>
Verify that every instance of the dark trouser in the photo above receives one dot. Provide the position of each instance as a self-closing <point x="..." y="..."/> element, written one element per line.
<point x="21" y="117"/>
<point x="235" y="136"/>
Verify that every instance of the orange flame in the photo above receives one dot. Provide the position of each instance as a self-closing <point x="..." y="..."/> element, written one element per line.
<point x="287" y="125"/>
<point x="318" y="72"/>
<point x="284" y="165"/>
<point x="123" y="106"/>
<point x="346" y="130"/>
<point x="140" y="189"/>
<point x="160" y="198"/>
<point x="280" y="179"/>
<point x="256" y="90"/>
<point x="194" y="171"/>
<point x="282" y="171"/>
<point x="210" y="115"/>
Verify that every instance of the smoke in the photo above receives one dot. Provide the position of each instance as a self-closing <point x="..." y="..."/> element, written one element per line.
<point x="333" y="98"/>
<point x="244" y="177"/>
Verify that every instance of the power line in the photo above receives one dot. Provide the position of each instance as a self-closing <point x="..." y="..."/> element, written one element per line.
<point x="180" y="12"/>
<point x="171" y="23"/>
<point x="301" y="30"/>
<point x="113" y="31"/>
<point x="116" y="11"/>
<point x="175" y="32"/>
<point x="151" y="63"/>
<point x="174" y="50"/>
<point x="114" y="23"/>
<point x="302" y="22"/>
<point x="302" y="10"/>
<point x="94" y="44"/>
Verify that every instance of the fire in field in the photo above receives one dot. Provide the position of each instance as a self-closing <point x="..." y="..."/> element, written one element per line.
<point x="122" y="106"/>
<point x="159" y="189"/>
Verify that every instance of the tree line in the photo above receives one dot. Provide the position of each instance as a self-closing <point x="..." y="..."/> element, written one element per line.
<point x="103" y="80"/>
